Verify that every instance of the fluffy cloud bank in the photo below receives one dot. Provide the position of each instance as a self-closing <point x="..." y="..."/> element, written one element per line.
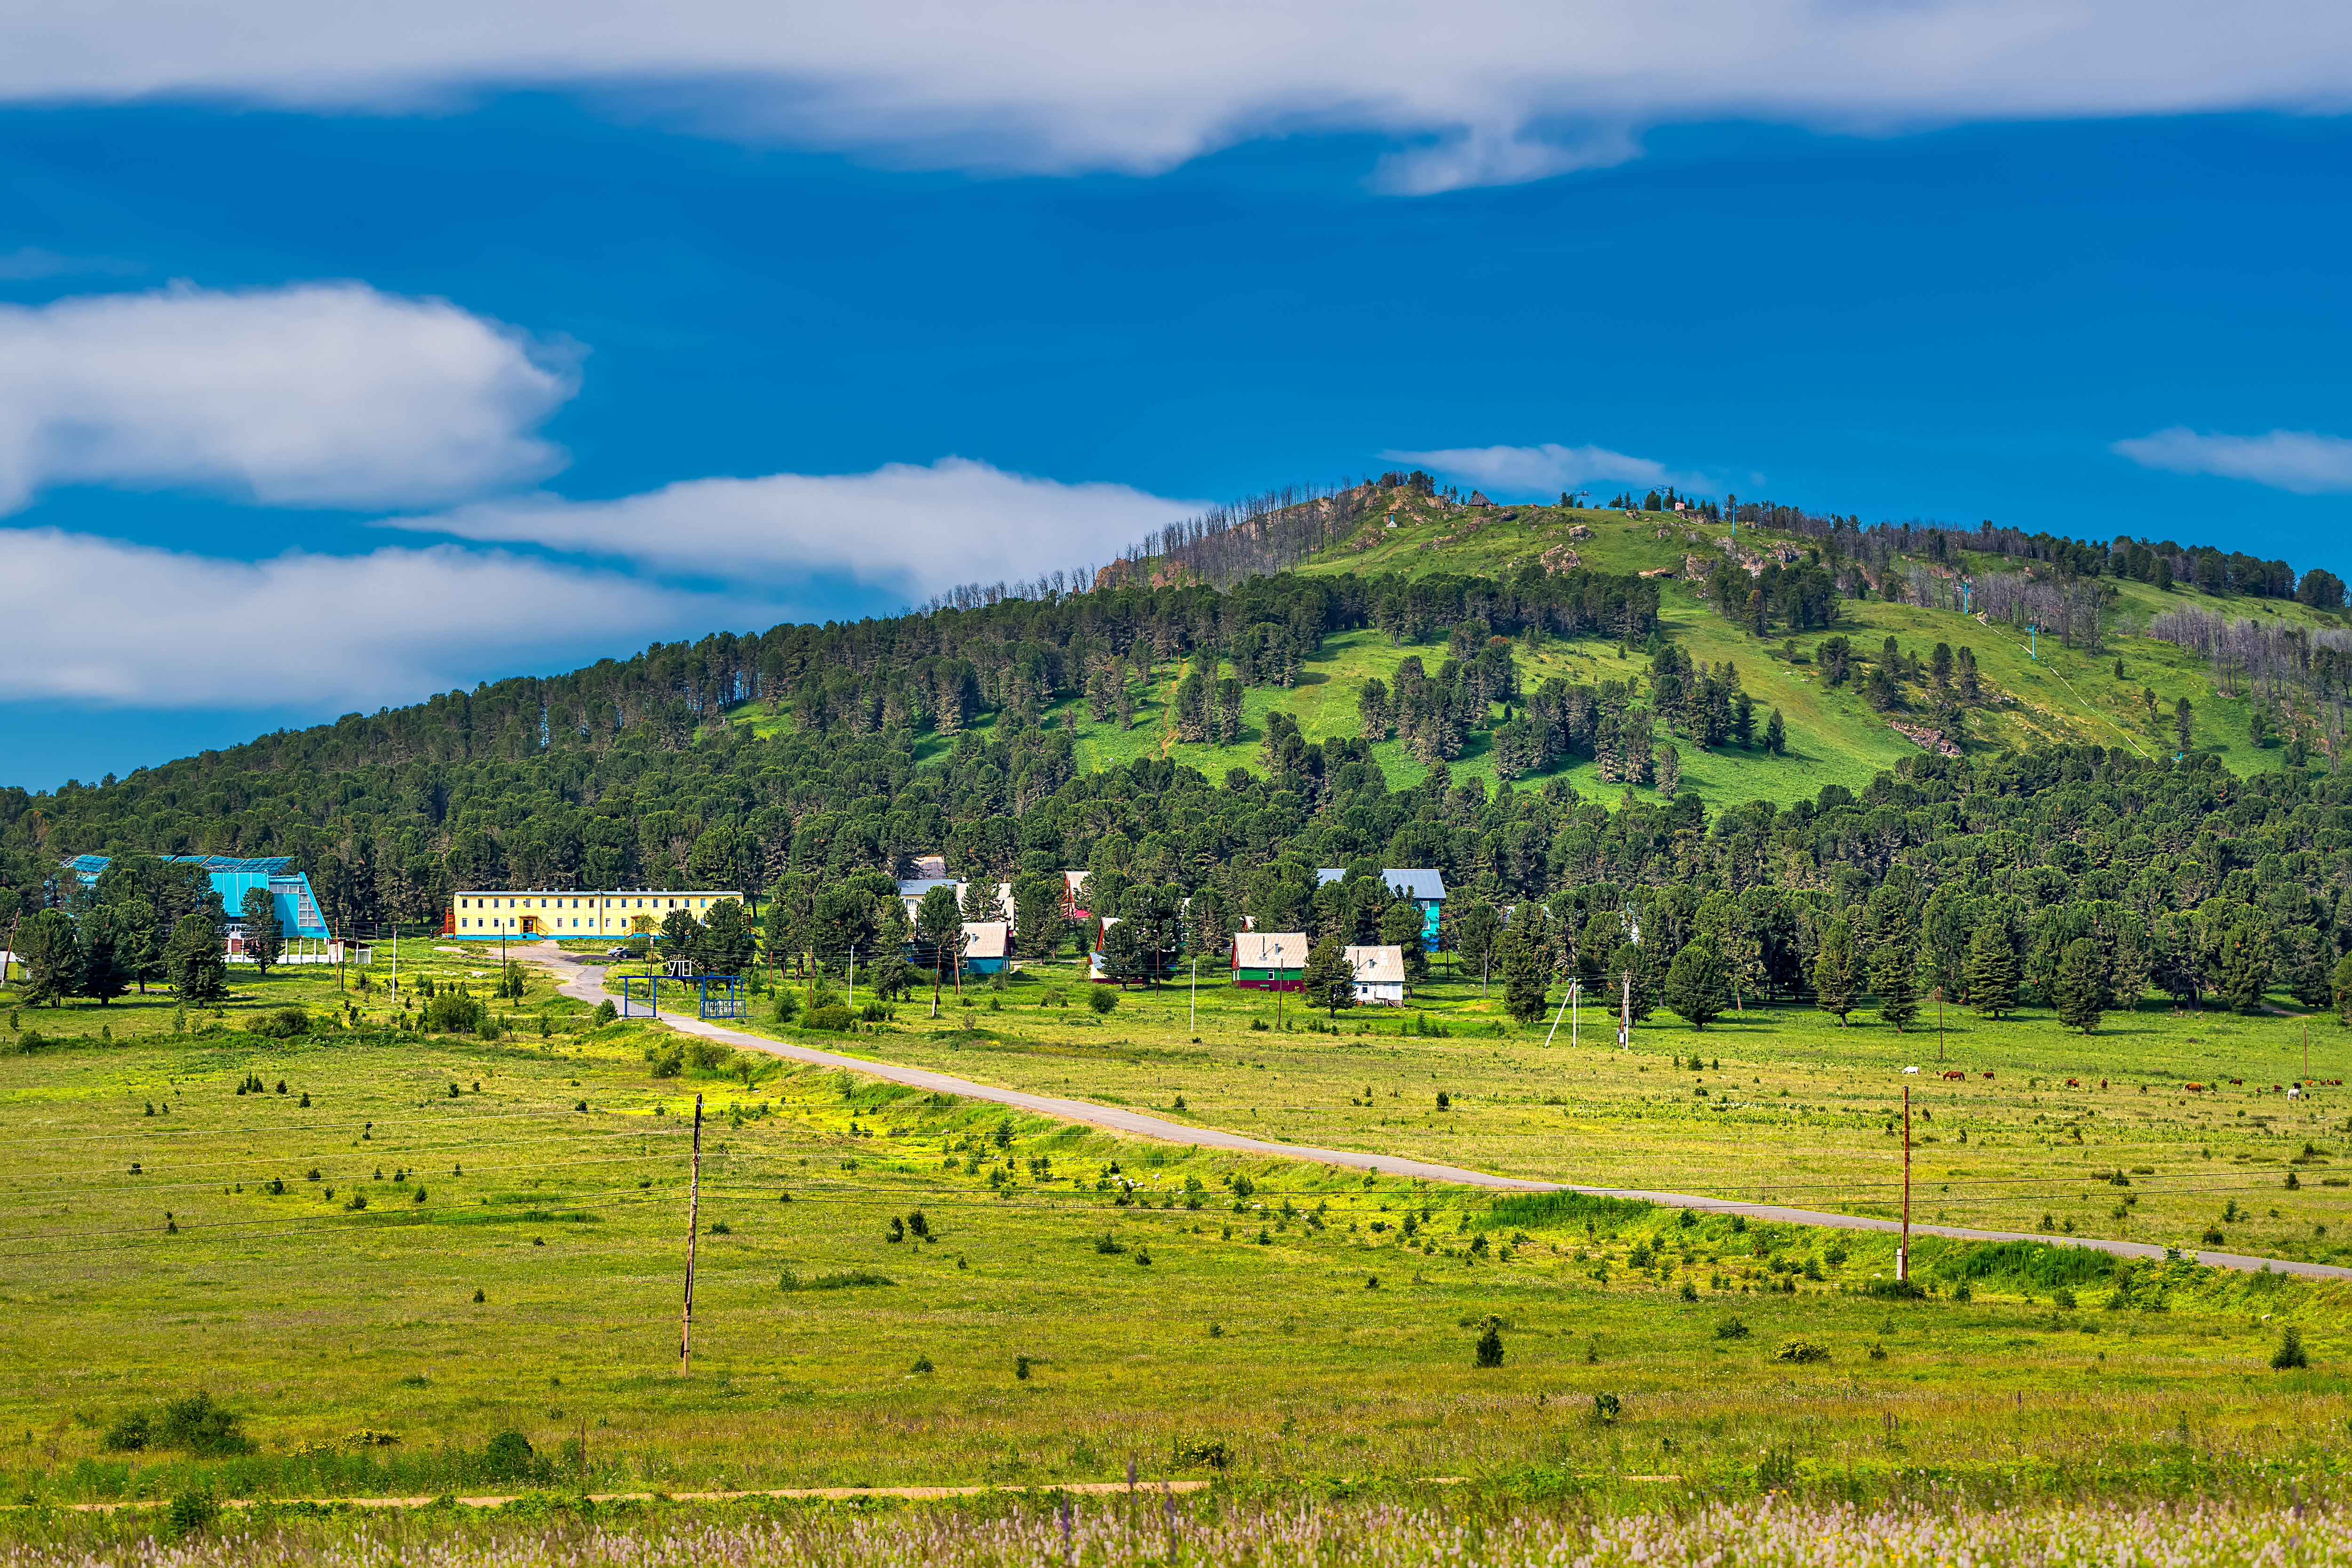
<point x="1551" y="467"/>
<point x="325" y="631"/>
<point x="908" y="528"/>
<point x="324" y="394"/>
<point x="2300" y="460"/>
<point x="1496" y="89"/>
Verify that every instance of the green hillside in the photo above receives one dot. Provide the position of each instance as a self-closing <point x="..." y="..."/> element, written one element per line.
<point x="2034" y="695"/>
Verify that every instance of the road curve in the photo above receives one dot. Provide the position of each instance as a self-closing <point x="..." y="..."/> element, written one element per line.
<point x="587" y="986"/>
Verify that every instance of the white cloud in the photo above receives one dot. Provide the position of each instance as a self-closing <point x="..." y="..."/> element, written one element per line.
<point x="907" y="528"/>
<point x="97" y="620"/>
<point x="1550" y="467"/>
<point x="322" y="394"/>
<point x="2300" y="460"/>
<point x="1500" y="89"/>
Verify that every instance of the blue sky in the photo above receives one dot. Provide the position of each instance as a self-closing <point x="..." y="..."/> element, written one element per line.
<point x="320" y="399"/>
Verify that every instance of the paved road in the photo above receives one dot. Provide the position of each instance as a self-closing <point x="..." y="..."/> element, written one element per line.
<point x="587" y="985"/>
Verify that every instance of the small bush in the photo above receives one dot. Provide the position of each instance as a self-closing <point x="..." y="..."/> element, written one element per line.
<point x="1101" y="999"/>
<point x="1021" y="1364"/>
<point x="193" y="1511"/>
<point x="1731" y="1329"/>
<point x="836" y="1019"/>
<point x="1607" y="1407"/>
<point x="605" y="1013"/>
<point x="1490" y="1347"/>
<point x="1210" y="1452"/>
<point x="131" y="1433"/>
<point x="203" y="1428"/>
<point x="279" y="1024"/>
<point x="454" y="1013"/>
<point x="509" y="1457"/>
<point x="2290" y="1353"/>
<point x="788" y="1005"/>
<point x="923" y="1364"/>
<point x="1805" y="1352"/>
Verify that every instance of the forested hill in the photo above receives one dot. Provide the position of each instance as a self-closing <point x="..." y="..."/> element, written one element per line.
<point x="1500" y="693"/>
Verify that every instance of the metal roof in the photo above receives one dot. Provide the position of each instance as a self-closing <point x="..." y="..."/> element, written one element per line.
<point x="1406" y="882"/>
<point x="1255" y="950"/>
<point x="1378" y="965"/>
<point x="262" y="866"/>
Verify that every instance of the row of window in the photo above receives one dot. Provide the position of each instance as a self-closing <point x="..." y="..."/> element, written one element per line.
<point x="686" y="902"/>
<point x="503" y="924"/>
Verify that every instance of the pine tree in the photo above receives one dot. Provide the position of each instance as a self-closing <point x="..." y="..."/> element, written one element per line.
<point x="1991" y="972"/>
<point x="2245" y="964"/>
<point x="2081" y="984"/>
<point x="104" y="973"/>
<point x="50" y="952"/>
<point x="1694" y="985"/>
<point x="1523" y="968"/>
<point x="1401" y="925"/>
<point x="1776" y="735"/>
<point x="1835" y="975"/>
<point x="1891" y="977"/>
<point x="2343" y="989"/>
<point x="1330" y="981"/>
<point x="264" y="941"/>
<point x="192" y="958"/>
<point x="1669" y="770"/>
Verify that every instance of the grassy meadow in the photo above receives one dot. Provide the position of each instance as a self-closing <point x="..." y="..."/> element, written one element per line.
<point x="1262" y="1322"/>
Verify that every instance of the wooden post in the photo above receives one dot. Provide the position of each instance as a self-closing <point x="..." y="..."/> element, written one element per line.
<point x="1902" y="1253"/>
<point x="693" y="1221"/>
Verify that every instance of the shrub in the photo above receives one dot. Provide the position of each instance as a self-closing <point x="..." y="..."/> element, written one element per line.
<point x="1607" y="1407"/>
<point x="1731" y="1329"/>
<point x="605" y="1013"/>
<point x="708" y="1056"/>
<point x="279" y="1024"/>
<point x="2290" y="1353"/>
<point x="452" y="1012"/>
<point x="2064" y="1300"/>
<point x="205" y="1428"/>
<point x="193" y="1511"/>
<point x="1021" y="1364"/>
<point x="668" y="1063"/>
<point x="1102" y="999"/>
<point x="1209" y="1451"/>
<point x="1490" y="1347"/>
<point x="835" y="1019"/>
<point x="509" y="1457"/>
<point x="132" y="1432"/>
<point x="1805" y="1352"/>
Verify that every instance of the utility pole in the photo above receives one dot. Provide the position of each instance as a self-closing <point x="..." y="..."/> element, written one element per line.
<point x="1573" y="987"/>
<point x="1939" y="1022"/>
<point x="853" y="977"/>
<point x="1902" y="1253"/>
<point x="693" y="1221"/>
<point x="1194" y="1015"/>
<point x="1626" y="1015"/>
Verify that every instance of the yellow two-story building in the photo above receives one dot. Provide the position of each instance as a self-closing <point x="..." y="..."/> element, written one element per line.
<point x="490" y="915"/>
